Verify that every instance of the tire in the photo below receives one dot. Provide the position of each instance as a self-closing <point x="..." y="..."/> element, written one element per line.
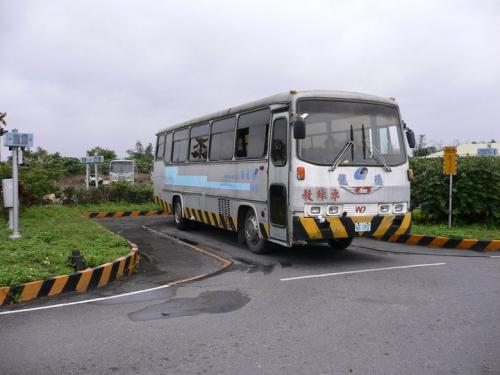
<point x="180" y="221"/>
<point x="340" y="243"/>
<point x="255" y="243"/>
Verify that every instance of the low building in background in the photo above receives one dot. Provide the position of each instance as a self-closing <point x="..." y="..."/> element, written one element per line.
<point x="473" y="149"/>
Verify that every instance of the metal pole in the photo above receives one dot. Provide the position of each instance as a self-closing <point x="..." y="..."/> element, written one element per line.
<point x="87" y="176"/>
<point x="11" y="219"/>
<point x="449" y="212"/>
<point x="15" y="181"/>
<point x="96" y="177"/>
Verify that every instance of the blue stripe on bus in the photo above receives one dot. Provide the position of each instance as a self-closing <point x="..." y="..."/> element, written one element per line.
<point x="172" y="178"/>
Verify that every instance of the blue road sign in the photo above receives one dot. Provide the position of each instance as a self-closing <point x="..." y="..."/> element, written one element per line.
<point x="14" y="139"/>
<point x="92" y="159"/>
<point x="487" y="151"/>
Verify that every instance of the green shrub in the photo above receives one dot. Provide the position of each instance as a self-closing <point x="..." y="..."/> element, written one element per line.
<point x="476" y="190"/>
<point x="116" y="192"/>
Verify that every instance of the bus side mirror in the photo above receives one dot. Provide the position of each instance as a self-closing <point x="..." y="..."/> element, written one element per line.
<point x="299" y="128"/>
<point x="410" y="136"/>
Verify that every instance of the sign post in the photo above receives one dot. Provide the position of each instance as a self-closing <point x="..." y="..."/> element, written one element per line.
<point x="87" y="176"/>
<point x="16" y="143"/>
<point x="450" y="169"/>
<point x="88" y="160"/>
<point x="96" y="176"/>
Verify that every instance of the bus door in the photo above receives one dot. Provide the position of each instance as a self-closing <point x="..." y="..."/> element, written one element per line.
<point x="278" y="178"/>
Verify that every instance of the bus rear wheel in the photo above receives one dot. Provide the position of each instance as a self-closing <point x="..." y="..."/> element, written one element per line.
<point x="255" y="243"/>
<point x="340" y="243"/>
<point x="180" y="221"/>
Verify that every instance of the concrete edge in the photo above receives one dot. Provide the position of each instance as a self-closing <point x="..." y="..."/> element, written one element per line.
<point x="81" y="281"/>
<point x="440" y="242"/>
<point x="115" y="214"/>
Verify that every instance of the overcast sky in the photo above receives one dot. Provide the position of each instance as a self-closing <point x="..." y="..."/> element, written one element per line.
<point x="85" y="73"/>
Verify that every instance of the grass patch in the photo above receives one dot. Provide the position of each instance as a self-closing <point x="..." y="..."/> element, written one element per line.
<point x="480" y="232"/>
<point x="49" y="234"/>
<point x="118" y="206"/>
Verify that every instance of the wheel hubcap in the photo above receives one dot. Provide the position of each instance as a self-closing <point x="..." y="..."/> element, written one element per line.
<point x="177" y="212"/>
<point x="252" y="230"/>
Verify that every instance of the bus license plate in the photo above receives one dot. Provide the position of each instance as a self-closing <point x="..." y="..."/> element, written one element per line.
<point x="363" y="226"/>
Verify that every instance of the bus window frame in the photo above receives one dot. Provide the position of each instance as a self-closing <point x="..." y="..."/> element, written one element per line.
<point x="235" y="116"/>
<point x="171" y="148"/>
<point x="266" y="155"/>
<point x="159" y="135"/>
<point x="188" y="128"/>
<point x="285" y="161"/>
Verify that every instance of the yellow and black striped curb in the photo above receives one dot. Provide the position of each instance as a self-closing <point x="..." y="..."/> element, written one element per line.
<point x="444" y="242"/>
<point x="104" y="214"/>
<point x="81" y="281"/>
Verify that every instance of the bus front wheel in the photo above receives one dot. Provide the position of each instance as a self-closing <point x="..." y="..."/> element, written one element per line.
<point x="339" y="243"/>
<point x="180" y="221"/>
<point x="255" y="243"/>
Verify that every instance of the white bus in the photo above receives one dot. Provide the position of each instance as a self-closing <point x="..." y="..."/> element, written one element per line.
<point x="293" y="168"/>
<point x="122" y="170"/>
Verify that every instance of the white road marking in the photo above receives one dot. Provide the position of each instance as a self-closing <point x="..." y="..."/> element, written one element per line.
<point x="494" y="256"/>
<point x="82" y="302"/>
<point x="361" y="271"/>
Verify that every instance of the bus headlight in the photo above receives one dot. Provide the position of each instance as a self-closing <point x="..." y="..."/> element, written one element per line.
<point x="333" y="210"/>
<point x="399" y="208"/>
<point x="384" y="208"/>
<point x="314" y="210"/>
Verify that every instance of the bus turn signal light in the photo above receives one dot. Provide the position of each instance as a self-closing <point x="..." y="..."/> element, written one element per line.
<point x="301" y="173"/>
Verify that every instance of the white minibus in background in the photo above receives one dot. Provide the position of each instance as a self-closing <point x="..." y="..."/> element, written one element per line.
<point x="293" y="168"/>
<point x="122" y="170"/>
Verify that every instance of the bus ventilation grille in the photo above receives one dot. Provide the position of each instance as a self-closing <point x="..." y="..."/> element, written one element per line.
<point x="225" y="209"/>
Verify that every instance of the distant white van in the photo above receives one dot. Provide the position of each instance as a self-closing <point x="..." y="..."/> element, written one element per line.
<point x="122" y="170"/>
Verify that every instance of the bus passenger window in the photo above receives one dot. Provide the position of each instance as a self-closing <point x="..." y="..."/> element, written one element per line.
<point x="160" y="146"/>
<point x="251" y="137"/>
<point x="278" y="144"/>
<point x="168" y="147"/>
<point x="198" y="143"/>
<point x="222" y="139"/>
<point x="181" y="143"/>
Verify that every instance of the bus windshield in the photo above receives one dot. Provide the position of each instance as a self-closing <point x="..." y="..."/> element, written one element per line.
<point x="330" y="125"/>
<point x="122" y="167"/>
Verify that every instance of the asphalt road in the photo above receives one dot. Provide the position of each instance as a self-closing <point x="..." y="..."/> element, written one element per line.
<point x="377" y="308"/>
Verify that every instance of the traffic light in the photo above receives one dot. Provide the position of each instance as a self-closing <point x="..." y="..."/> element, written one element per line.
<point x="450" y="160"/>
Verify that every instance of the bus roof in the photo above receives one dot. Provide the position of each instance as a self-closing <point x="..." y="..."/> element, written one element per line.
<point x="282" y="98"/>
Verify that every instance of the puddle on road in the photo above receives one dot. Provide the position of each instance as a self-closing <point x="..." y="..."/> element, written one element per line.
<point x="212" y="302"/>
<point x="251" y="266"/>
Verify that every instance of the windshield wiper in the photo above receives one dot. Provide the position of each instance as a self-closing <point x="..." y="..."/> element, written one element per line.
<point x="381" y="159"/>
<point x="364" y="140"/>
<point x="338" y="159"/>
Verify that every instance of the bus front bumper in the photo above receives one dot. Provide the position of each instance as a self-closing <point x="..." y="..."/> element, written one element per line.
<point x="380" y="226"/>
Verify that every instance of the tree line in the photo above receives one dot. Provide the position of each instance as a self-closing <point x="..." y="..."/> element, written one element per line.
<point x="57" y="165"/>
